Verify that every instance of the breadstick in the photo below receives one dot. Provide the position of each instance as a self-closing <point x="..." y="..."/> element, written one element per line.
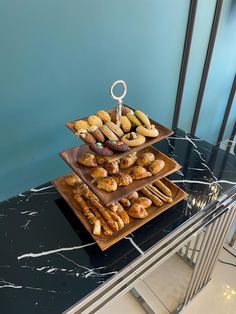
<point x="97" y="228"/>
<point x="123" y="215"/>
<point x="163" y="188"/>
<point x="156" y="201"/>
<point x="113" y="224"/>
<point x="118" y="219"/>
<point x="85" y="209"/>
<point x="106" y="228"/>
<point x="159" y="194"/>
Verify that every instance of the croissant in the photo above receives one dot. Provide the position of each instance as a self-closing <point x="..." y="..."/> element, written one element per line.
<point x="108" y="184"/>
<point x="145" y="159"/>
<point x="128" y="161"/>
<point x="137" y="211"/>
<point x="88" y="160"/>
<point x="140" y="173"/>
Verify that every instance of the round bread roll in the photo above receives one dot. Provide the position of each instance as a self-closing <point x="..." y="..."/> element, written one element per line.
<point x="81" y="124"/>
<point x="94" y="120"/>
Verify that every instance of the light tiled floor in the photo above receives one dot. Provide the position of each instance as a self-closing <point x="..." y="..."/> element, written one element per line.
<point x="219" y="297"/>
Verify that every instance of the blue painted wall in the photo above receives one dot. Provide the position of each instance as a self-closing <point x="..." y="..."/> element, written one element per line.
<point x="59" y="57"/>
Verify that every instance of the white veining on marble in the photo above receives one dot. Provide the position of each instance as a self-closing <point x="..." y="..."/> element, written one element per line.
<point x="41" y="189"/>
<point x="27" y="255"/>
<point x="7" y="284"/>
<point x="135" y="245"/>
<point x="26" y="225"/>
<point x="202" y="182"/>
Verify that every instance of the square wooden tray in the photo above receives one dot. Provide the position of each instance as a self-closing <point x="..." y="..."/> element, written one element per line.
<point x="105" y="242"/>
<point x="70" y="156"/>
<point x="163" y="133"/>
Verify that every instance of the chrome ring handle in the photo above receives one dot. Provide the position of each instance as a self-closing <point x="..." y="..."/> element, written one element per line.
<point x="123" y="85"/>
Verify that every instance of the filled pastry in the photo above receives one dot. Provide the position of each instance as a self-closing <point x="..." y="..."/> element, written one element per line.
<point x="147" y="130"/>
<point x="87" y="160"/>
<point x="98" y="172"/>
<point x="156" y="166"/>
<point x="144" y="201"/>
<point x="117" y="146"/>
<point x="107" y="184"/>
<point x="139" y="173"/>
<point x="137" y="211"/>
<point x="99" y="149"/>
<point x="145" y="159"/>
<point x="112" y="167"/>
<point x="123" y="179"/>
<point x="133" y="139"/>
<point x="128" y="161"/>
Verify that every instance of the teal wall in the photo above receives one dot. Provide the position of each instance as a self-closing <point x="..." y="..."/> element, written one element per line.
<point x="59" y="57"/>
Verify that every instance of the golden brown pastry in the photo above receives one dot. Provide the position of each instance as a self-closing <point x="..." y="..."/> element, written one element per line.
<point x="132" y="117"/>
<point x="112" y="167"/>
<point x="156" y="201"/>
<point x="156" y="166"/>
<point x="98" y="172"/>
<point x="132" y="196"/>
<point x="125" y="202"/>
<point x="123" y="215"/>
<point x="139" y="173"/>
<point x="108" y="133"/>
<point x="113" y="207"/>
<point x="108" y="184"/>
<point x="117" y="218"/>
<point x="72" y="179"/>
<point x="87" y="160"/>
<point x="95" y="131"/>
<point x="100" y="160"/>
<point x="128" y="161"/>
<point x="114" y="128"/>
<point x="137" y="211"/>
<point x="123" y="179"/>
<point x="145" y="159"/>
<point x="133" y="139"/>
<point x="126" y="110"/>
<point x="147" y="130"/>
<point x="97" y="228"/>
<point x="81" y="124"/>
<point x="144" y="201"/>
<point x="105" y="227"/>
<point x="125" y="124"/>
<point x="94" y="120"/>
<point x="142" y="117"/>
<point x="103" y="115"/>
<point x="163" y="188"/>
<point x="85" y="136"/>
<point x="159" y="194"/>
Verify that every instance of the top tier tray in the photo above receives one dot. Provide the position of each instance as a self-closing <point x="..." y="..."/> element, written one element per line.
<point x="163" y="133"/>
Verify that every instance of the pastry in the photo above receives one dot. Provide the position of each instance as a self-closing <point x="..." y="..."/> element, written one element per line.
<point x="103" y="115"/>
<point x="88" y="160"/>
<point x="123" y="179"/>
<point x="128" y="161"/>
<point x="94" y="120"/>
<point x="159" y="194"/>
<point x="72" y="179"/>
<point x="108" y="184"/>
<point x="99" y="149"/>
<point x="142" y="117"/>
<point x="144" y="201"/>
<point x="105" y="227"/>
<point x="98" y="172"/>
<point x="133" y="139"/>
<point x="125" y="124"/>
<point x="156" y="166"/>
<point x="117" y="146"/>
<point x="147" y="130"/>
<point x="85" y="209"/>
<point x="137" y="211"/>
<point x="163" y="188"/>
<point x="132" y="117"/>
<point x="113" y="207"/>
<point x="125" y="202"/>
<point x="81" y="124"/>
<point x="96" y="133"/>
<point x="145" y="159"/>
<point x="100" y="160"/>
<point x="112" y="167"/>
<point x="139" y="173"/>
<point x="97" y="228"/>
<point x="108" y="133"/>
<point x="117" y="218"/>
<point x="114" y="128"/>
<point x="85" y="136"/>
<point x="132" y="196"/>
<point x="123" y="214"/>
<point x="156" y="201"/>
<point x="126" y="110"/>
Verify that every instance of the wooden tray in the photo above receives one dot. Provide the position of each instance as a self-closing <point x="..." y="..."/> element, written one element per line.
<point x="105" y="242"/>
<point x="163" y="133"/>
<point x="70" y="157"/>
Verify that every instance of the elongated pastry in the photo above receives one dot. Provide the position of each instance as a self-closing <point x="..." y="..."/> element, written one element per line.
<point x="144" y="201"/>
<point x="97" y="228"/>
<point x="128" y="161"/>
<point x="105" y="227"/>
<point x="100" y="149"/>
<point x="85" y="209"/>
<point x="126" y="110"/>
<point x="139" y="172"/>
<point x="123" y="214"/>
<point x="108" y="184"/>
<point x="103" y="115"/>
<point x="156" y="201"/>
<point x="125" y="202"/>
<point x="133" y="139"/>
<point x="159" y="194"/>
<point x="145" y="159"/>
<point x="117" y="146"/>
<point x="113" y="207"/>
<point x="163" y="188"/>
<point x="132" y="117"/>
<point x="108" y="133"/>
<point x="115" y="129"/>
<point x="88" y="160"/>
<point x="142" y="117"/>
<point x="147" y="130"/>
<point x="117" y="218"/>
<point x="85" y="136"/>
<point x="156" y="166"/>
<point x="94" y="120"/>
<point x="137" y="211"/>
<point x="81" y="124"/>
<point x="96" y="133"/>
<point x="125" y="124"/>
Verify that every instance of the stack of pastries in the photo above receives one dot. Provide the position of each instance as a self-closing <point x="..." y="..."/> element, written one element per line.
<point x="108" y="220"/>
<point x="106" y="133"/>
<point x="108" y="176"/>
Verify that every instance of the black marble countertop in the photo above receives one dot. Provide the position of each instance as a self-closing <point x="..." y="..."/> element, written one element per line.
<point x="48" y="260"/>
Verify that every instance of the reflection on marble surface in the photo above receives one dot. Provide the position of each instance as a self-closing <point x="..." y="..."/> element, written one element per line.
<point x="49" y="261"/>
